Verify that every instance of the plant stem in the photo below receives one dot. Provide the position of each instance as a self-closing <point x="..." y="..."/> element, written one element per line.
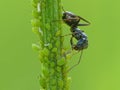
<point x="47" y="24"/>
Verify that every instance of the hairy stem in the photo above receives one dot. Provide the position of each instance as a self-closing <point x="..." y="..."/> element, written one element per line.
<point x="47" y="25"/>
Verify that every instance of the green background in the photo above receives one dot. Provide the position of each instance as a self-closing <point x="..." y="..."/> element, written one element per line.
<point x="100" y="65"/>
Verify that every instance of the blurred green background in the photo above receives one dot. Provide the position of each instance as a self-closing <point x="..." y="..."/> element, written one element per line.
<point x="100" y="65"/>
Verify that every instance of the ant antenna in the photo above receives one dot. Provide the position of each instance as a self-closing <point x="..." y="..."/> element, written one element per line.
<point x="77" y="62"/>
<point x="85" y="20"/>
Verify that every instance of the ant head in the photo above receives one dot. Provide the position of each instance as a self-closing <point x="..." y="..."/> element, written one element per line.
<point x="67" y="15"/>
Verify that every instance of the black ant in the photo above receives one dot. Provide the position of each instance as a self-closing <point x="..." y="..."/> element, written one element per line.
<point x="73" y="20"/>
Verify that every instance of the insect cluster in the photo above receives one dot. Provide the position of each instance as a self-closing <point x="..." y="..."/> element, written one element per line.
<point x="73" y="21"/>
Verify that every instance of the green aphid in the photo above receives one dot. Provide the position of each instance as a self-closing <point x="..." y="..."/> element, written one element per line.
<point x="48" y="39"/>
<point x="69" y="79"/>
<point x="68" y="56"/>
<point x="58" y="69"/>
<point x="35" y="30"/>
<point x="35" y="22"/>
<point x="62" y="39"/>
<point x="57" y="44"/>
<point x="68" y="83"/>
<point x="45" y="52"/>
<point x="50" y="46"/>
<point x="53" y="81"/>
<point x="36" y="1"/>
<point x="52" y="55"/>
<point x="35" y="13"/>
<point x="61" y="62"/>
<point x="42" y="89"/>
<point x="54" y="50"/>
<point x="36" y="47"/>
<point x="52" y="72"/>
<point x="52" y="64"/>
<point x="45" y="72"/>
<point x="43" y="82"/>
<point x="46" y="60"/>
<point x="58" y="75"/>
<point x="47" y="26"/>
<point x="58" y="33"/>
<point x="41" y="58"/>
<point x="60" y="83"/>
<point x="50" y="36"/>
<point x="34" y="5"/>
<point x="54" y="87"/>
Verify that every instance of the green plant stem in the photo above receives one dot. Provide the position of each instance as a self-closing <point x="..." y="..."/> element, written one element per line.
<point x="47" y="24"/>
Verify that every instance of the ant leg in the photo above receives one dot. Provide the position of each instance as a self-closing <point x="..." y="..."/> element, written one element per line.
<point x="77" y="62"/>
<point x="63" y="9"/>
<point x="71" y="42"/>
<point x="83" y="24"/>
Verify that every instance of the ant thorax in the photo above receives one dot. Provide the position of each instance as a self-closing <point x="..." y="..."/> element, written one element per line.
<point x="78" y="34"/>
<point x="68" y="15"/>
